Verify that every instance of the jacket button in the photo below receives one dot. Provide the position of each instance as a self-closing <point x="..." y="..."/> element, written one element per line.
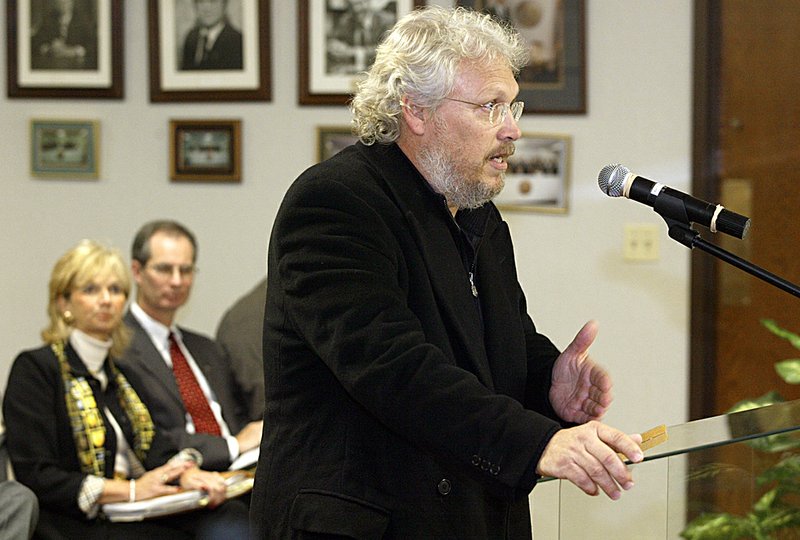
<point x="485" y="464"/>
<point x="444" y="487"/>
<point x="494" y="469"/>
<point x="476" y="460"/>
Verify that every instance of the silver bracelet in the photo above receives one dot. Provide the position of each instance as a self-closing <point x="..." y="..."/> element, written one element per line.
<point x="131" y="490"/>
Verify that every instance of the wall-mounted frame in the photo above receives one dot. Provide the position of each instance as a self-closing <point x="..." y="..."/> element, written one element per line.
<point x="80" y="60"/>
<point x="333" y="139"/>
<point x="235" y="67"/>
<point x="538" y="175"/>
<point x="554" y="82"/>
<point x="205" y="150"/>
<point x="65" y="148"/>
<point x="335" y="47"/>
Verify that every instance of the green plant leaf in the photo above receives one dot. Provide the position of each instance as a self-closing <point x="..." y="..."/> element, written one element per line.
<point x="773" y="327"/>
<point x="783" y="518"/>
<point x="786" y="470"/>
<point x="789" y="370"/>
<point x="764" y="504"/>
<point x="754" y="403"/>
<point x="718" y="527"/>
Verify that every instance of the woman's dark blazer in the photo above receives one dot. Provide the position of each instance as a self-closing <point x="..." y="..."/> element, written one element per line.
<point x="393" y="409"/>
<point x="39" y="436"/>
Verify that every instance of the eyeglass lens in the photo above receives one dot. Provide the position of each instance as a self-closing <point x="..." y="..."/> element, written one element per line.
<point x="498" y="113"/>
<point x="169" y="269"/>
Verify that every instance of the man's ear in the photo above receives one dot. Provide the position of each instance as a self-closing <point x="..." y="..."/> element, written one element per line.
<point x="414" y="116"/>
<point x="136" y="270"/>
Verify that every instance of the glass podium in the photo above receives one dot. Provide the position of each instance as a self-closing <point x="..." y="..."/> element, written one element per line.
<point x="730" y="476"/>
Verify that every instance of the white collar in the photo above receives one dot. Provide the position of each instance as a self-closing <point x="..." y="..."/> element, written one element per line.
<point x="212" y="33"/>
<point x="158" y="332"/>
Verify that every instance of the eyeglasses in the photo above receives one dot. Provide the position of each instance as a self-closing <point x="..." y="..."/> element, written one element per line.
<point x="497" y="111"/>
<point x="168" y="270"/>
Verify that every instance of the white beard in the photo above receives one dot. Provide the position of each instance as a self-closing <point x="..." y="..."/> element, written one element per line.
<point x="458" y="190"/>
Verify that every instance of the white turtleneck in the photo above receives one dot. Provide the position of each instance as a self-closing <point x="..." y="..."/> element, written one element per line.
<point x="93" y="353"/>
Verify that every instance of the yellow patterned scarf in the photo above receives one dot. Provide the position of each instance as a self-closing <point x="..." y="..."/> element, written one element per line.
<point x="87" y="422"/>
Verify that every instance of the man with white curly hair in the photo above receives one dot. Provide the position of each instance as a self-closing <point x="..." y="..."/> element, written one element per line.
<point x="408" y="393"/>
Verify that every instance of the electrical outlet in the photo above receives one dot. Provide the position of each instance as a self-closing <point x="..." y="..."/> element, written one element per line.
<point x="641" y="242"/>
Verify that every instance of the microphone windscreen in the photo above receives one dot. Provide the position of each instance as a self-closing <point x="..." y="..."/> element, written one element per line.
<point x="612" y="178"/>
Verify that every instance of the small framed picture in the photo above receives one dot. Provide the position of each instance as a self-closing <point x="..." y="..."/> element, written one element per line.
<point x="214" y="50"/>
<point x="554" y="81"/>
<point x="538" y="174"/>
<point x="205" y="150"/>
<point x="332" y="139"/>
<point x="337" y="40"/>
<point x="65" y="148"/>
<point x="64" y="49"/>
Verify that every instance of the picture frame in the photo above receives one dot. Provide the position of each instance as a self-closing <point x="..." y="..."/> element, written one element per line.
<point x="334" y="49"/>
<point x="82" y="60"/>
<point x="205" y="150"/>
<point x="236" y="67"/>
<point x="554" y="82"/>
<point x="538" y="176"/>
<point x="333" y="139"/>
<point x="65" y="148"/>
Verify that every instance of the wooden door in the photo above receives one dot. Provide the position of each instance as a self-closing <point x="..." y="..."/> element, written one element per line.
<point x="746" y="154"/>
<point x="746" y="150"/>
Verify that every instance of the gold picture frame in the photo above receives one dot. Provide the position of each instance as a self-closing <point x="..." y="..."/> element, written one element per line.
<point x="65" y="148"/>
<point x="205" y="150"/>
<point x="538" y="175"/>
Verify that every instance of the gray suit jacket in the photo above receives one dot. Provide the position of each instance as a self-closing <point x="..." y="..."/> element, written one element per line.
<point x="239" y="333"/>
<point x="154" y="382"/>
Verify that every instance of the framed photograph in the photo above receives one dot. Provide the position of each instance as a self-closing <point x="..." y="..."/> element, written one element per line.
<point x="337" y="40"/>
<point x="538" y="174"/>
<point x="216" y="50"/>
<point x="65" y="148"/>
<point x="554" y="81"/>
<point x="205" y="150"/>
<point x="61" y="49"/>
<point x="332" y="139"/>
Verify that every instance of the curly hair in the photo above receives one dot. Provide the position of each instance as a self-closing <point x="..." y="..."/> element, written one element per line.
<point x="420" y="58"/>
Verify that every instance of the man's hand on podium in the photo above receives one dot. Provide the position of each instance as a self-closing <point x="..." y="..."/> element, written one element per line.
<point x="586" y="455"/>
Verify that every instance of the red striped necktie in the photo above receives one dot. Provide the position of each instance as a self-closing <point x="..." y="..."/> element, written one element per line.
<point x="194" y="400"/>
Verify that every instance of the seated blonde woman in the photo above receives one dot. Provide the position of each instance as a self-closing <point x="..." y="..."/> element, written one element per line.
<point x="77" y="433"/>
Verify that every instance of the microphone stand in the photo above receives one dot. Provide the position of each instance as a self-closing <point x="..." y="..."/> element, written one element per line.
<point x="682" y="232"/>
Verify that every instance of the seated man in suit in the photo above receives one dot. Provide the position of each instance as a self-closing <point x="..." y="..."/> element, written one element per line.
<point x="184" y="378"/>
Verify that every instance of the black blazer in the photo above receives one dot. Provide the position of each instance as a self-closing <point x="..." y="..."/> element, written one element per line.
<point x="387" y="415"/>
<point x="155" y="383"/>
<point x="225" y="53"/>
<point x="39" y="435"/>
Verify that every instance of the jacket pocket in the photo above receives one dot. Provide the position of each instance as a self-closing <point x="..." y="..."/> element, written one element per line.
<point x="334" y="513"/>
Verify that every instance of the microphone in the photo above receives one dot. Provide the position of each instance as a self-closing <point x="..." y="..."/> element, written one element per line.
<point x="616" y="180"/>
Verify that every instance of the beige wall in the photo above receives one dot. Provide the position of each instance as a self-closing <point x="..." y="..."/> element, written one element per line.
<point x="639" y="113"/>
